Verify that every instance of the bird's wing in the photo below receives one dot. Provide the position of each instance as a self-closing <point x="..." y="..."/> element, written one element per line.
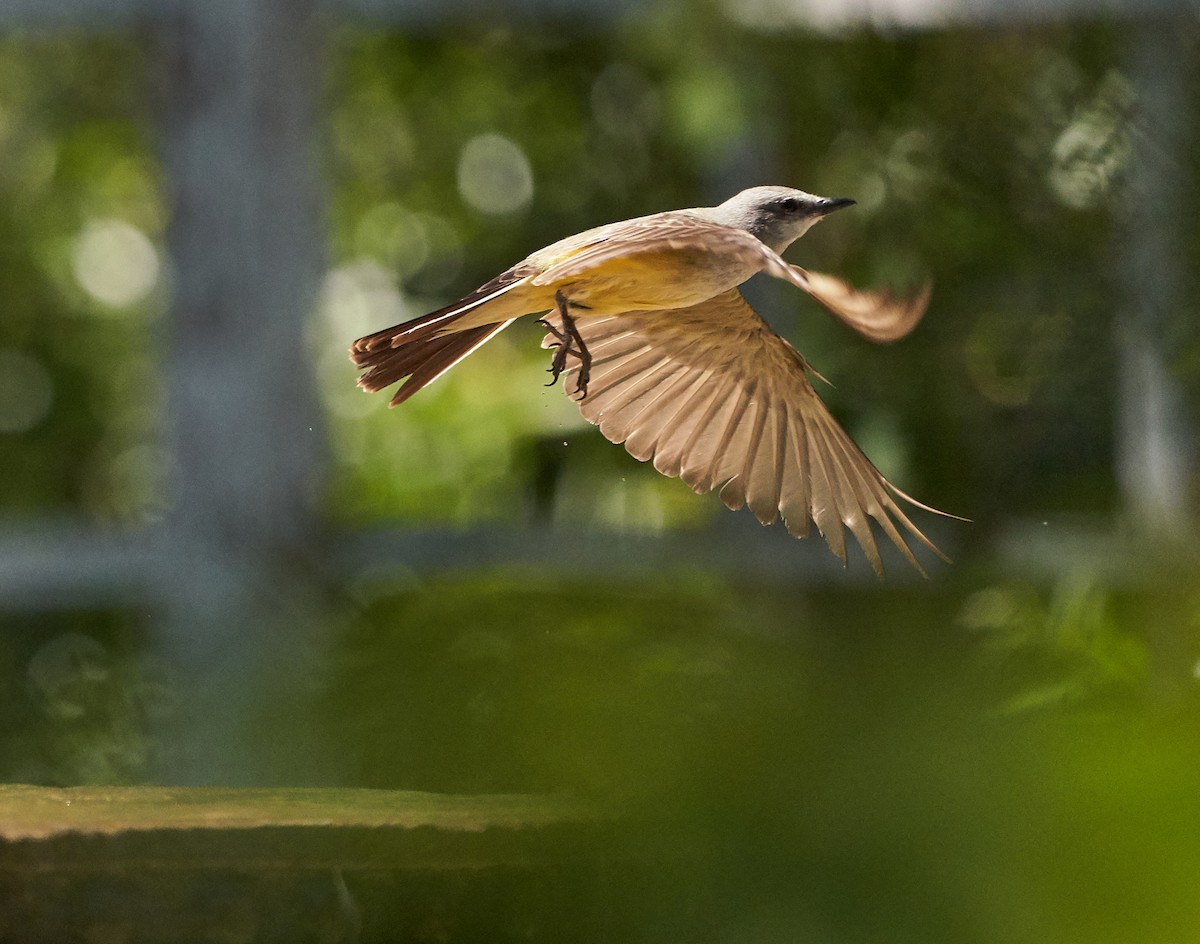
<point x="877" y="316"/>
<point x="713" y="396"/>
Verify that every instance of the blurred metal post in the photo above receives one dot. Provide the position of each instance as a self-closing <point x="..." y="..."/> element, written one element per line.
<point x="241" y="80"/>
<point x="1154" y="448"/>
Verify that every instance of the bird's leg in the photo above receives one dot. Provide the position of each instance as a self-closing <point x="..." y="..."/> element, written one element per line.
<point x="570" y="341"/>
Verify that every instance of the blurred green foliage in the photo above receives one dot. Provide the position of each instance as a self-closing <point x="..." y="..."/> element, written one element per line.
<point x="81" y="391"/>
<point x="989" y="764"/>
<point x="79" y="699"/>
<point x="499" y="682"/>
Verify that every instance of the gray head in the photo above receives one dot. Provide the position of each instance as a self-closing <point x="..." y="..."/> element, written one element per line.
<point x="778" y="216"/>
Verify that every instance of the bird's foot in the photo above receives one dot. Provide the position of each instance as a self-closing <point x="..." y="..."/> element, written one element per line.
<point x="570" y="343"/>
<point x="558" y="335"/>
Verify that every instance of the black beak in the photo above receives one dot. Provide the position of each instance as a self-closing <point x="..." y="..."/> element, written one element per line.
<point x="829" y="204"/>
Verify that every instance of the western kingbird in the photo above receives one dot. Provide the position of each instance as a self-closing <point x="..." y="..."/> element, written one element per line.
<point x="670" y="360"/>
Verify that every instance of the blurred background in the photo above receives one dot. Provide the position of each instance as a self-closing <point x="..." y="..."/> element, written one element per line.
<point x="221" y="563"/>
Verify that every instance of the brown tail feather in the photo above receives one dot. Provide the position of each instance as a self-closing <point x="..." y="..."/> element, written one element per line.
<point x="425" y="348"/>
<point x="387" y="365"/>
<point x="419" y="329"/>
<point x="422" y="361"/>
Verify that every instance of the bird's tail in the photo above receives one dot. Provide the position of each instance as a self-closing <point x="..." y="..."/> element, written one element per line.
<point x="422" y="361"/>
<point x="425" y="348"/>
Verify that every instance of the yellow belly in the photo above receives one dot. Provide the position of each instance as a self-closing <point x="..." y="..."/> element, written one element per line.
<point x="650" y="281"/>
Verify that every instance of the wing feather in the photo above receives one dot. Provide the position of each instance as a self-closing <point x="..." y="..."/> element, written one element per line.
<point x="824" y="508"/>
<point x="617" y="371"/>
<point x="852" y="497"/>
<point x="740" y="490"/>
<point x="706" y="456"/>
<point x="643" y="441"/>
<point x="641" y="393"/>
<point x="727" y="456"/>
<point x="794" y="500"/>
<point x="672" y="446"/>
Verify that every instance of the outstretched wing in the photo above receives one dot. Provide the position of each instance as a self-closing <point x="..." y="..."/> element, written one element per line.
<point x="713" y="396"/>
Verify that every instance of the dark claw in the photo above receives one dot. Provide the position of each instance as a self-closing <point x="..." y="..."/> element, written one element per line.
<point x="558" y="335"/>
<point x="557" y="365"/>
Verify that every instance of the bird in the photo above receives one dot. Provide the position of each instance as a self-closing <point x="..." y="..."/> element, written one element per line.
<point x="660" y="349"/>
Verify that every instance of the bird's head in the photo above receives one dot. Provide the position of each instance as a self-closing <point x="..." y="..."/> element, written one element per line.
<point x="778" y="216"/>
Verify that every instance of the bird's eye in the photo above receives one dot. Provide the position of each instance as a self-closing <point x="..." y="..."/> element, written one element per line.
<point x="789" y="204"/>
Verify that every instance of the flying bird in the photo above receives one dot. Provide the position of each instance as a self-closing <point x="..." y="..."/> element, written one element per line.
<point x="660" y="349"/>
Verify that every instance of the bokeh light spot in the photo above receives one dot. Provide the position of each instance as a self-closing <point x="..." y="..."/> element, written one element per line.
<point x="494" y="175"/>
<point x="115" y="263"/>
<point x="360" y="297"/>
